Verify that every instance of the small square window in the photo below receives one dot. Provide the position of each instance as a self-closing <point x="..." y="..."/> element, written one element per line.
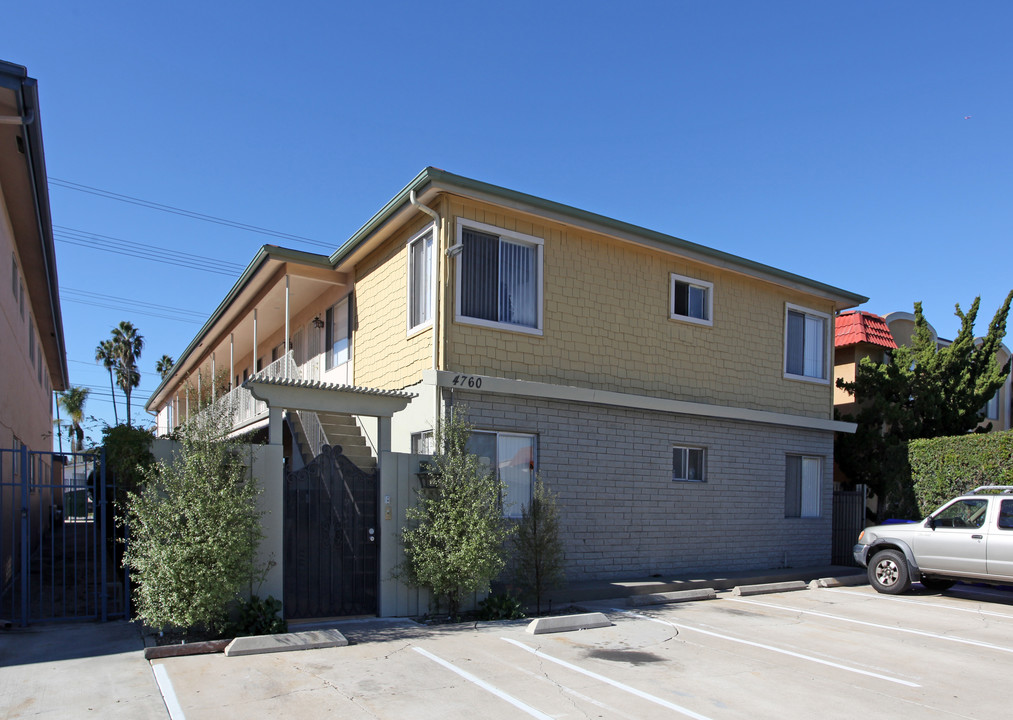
<point x="688" y="464"/>
<point x="422" y="443"/>
<point x="692" y="300"/>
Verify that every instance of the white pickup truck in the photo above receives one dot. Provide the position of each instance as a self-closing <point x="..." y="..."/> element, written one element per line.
<point x="969" y="538"/>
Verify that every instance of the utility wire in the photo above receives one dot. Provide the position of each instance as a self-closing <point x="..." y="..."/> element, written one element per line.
<point x="117" y="303"/>
<point x="132" y="249"/>
<point x="185" y="213"/>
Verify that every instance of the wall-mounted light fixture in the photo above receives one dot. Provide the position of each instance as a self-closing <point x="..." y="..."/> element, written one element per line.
<point x="318" y="323"/>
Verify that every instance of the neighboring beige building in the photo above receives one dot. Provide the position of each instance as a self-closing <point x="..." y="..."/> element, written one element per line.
<point x="33" y="359"/>
<point x="677" y="398"/>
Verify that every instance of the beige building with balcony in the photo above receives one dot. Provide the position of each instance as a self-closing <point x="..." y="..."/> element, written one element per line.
<point x="678" y="399"/>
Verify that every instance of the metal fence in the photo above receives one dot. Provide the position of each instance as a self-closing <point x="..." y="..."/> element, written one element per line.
<point x="60" y="548"/>
<point x="848" y="522"/>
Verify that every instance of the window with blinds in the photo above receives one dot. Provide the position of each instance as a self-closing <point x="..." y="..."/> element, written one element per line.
<point x="805" y="353"/>
<point x="803" y="476"/>
<point x="500" y="278"/>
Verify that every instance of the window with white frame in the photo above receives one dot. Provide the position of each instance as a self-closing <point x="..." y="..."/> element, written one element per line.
<point x="422" y="443"/>
<point x="512" y="457"/>
<point x="337" y="324"/>
<point x="31" y="341"/>
<point x="420" y="280"/>
<point x="688" y="464"/>
<point x="691" y="300"/>
<point x="802" y="480"/>
<point x="499" y="277"/>
<point x="805" y="346"/>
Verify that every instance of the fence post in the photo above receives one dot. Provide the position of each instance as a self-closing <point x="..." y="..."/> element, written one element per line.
<point x="100" y="546"/>
<point x="26" y="516"/>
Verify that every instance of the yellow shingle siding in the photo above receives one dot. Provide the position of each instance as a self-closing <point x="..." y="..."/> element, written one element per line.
<point x="383" y="355"/>
<point x="607" y="326"/>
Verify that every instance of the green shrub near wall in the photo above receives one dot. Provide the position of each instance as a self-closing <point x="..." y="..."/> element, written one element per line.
<point x="942" y="468"/>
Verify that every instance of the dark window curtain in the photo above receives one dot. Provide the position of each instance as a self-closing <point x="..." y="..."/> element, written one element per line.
<point x="793" y="486"/>
<point x="479" y="275"/>
<point x="795" y="355"/>
<point x="681" y="298"/>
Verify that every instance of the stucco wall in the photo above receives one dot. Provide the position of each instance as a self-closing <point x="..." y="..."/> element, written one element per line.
<point x="623" y="516"/>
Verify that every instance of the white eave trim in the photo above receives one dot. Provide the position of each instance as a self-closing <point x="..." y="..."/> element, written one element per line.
<point x="527" y="388"/>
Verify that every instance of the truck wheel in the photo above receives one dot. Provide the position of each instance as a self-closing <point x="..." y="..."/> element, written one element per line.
<point x="936" y="584"/>
<point x="888" y="573"/>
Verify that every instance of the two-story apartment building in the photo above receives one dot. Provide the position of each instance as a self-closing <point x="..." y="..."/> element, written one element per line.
<point x="677" y="398"/>
<point x="33" y="359"/>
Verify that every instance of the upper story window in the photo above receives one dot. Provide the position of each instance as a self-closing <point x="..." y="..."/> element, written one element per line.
<point x="15" y="275"/>
<point x="499" y="278"/>
<point x="31" y="340"/>
<point x="692" y="300"/>
<point x="805" y="347"/>
<point x="991" y="408"/>
<point x="337" y="324"/>
<point x="420" y="280"/>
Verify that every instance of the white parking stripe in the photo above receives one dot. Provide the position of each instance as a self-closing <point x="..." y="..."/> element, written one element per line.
<point x="168" y="694"/>
<point x="610" y="681"/>
<point x="771" y="648"/>
<point x="484" y="685"/>
<point x="817" y="613"/>
<point x="944" y="606"/>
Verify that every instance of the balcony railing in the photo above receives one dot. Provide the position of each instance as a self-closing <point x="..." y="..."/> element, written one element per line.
<point x="244" y="409"/>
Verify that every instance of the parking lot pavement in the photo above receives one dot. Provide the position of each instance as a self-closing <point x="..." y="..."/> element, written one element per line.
<point x="845" y="652"/>
<point x="77" y="670"/>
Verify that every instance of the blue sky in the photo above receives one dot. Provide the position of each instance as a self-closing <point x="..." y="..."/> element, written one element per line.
<point x="866" y="145"/>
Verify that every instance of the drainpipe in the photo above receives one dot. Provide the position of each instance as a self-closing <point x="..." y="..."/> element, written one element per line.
<point x="437" y="227"/>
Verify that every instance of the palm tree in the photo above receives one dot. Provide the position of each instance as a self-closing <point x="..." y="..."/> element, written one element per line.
<point x="127" y="343"/>
<point x="73" y="400"/>
<point x="164" y="366"/>
<point x="105" y="353"/>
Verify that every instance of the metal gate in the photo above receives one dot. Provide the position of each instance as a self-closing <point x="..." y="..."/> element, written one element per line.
<point x="59" y="546"/>
<point x="331" y="544"/>
<point x="849" y="521"/>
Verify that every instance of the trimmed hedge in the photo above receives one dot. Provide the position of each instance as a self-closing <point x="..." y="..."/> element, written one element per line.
<point x="942" y="468"/>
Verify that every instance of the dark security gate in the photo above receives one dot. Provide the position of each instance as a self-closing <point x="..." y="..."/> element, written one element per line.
<point x="58" y="541"/>
<point x="331" y="550"/>
<point x="849" y="521"/>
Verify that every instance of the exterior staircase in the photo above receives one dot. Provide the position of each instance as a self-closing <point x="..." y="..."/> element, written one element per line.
<point x="339" y="429"/>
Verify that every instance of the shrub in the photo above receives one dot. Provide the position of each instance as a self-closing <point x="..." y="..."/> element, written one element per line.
<point x="453" y="540"/>
<point x="943" y="468"/>
<point x="258" y="617"/>
<point x="539" y="556"/>
<point x="194" y="529"/>
<point x="500" y="607"/>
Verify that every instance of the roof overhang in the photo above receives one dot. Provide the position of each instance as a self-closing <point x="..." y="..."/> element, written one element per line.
<point x="26" y="192"/>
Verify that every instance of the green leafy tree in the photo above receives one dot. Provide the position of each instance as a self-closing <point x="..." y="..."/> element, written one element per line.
<point x="164" y="366"/>
<point x="455" y="535"/>
<point x="194" y="531"/>
<point x="538" y="548"/>
<point x="127" y="344"/>
<point x="72" y="401"/>
<point x="105" y="353"/>
<point x="923" y="391"/>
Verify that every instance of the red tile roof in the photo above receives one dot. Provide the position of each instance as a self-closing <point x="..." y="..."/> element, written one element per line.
<point x="862" y="327"/>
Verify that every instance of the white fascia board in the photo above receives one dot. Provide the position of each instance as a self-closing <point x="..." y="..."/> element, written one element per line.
<point x="527" y="388"/>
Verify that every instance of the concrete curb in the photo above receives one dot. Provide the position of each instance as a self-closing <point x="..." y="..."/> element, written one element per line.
<point x="790" y="586"/>
<point x="286" y="642"/>
<point x="671" y="597"/>
<point x="157" y="652"/>
<point x="568" y="623"/>
<point x="846" y="581"/>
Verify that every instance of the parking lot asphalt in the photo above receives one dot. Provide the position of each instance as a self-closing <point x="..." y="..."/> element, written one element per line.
<point x="834" y="652"/>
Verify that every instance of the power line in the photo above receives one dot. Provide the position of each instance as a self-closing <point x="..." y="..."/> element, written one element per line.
<point x="185" y="213"/>
<point x="118" y="246"/>
<point x="117" y="303"/>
